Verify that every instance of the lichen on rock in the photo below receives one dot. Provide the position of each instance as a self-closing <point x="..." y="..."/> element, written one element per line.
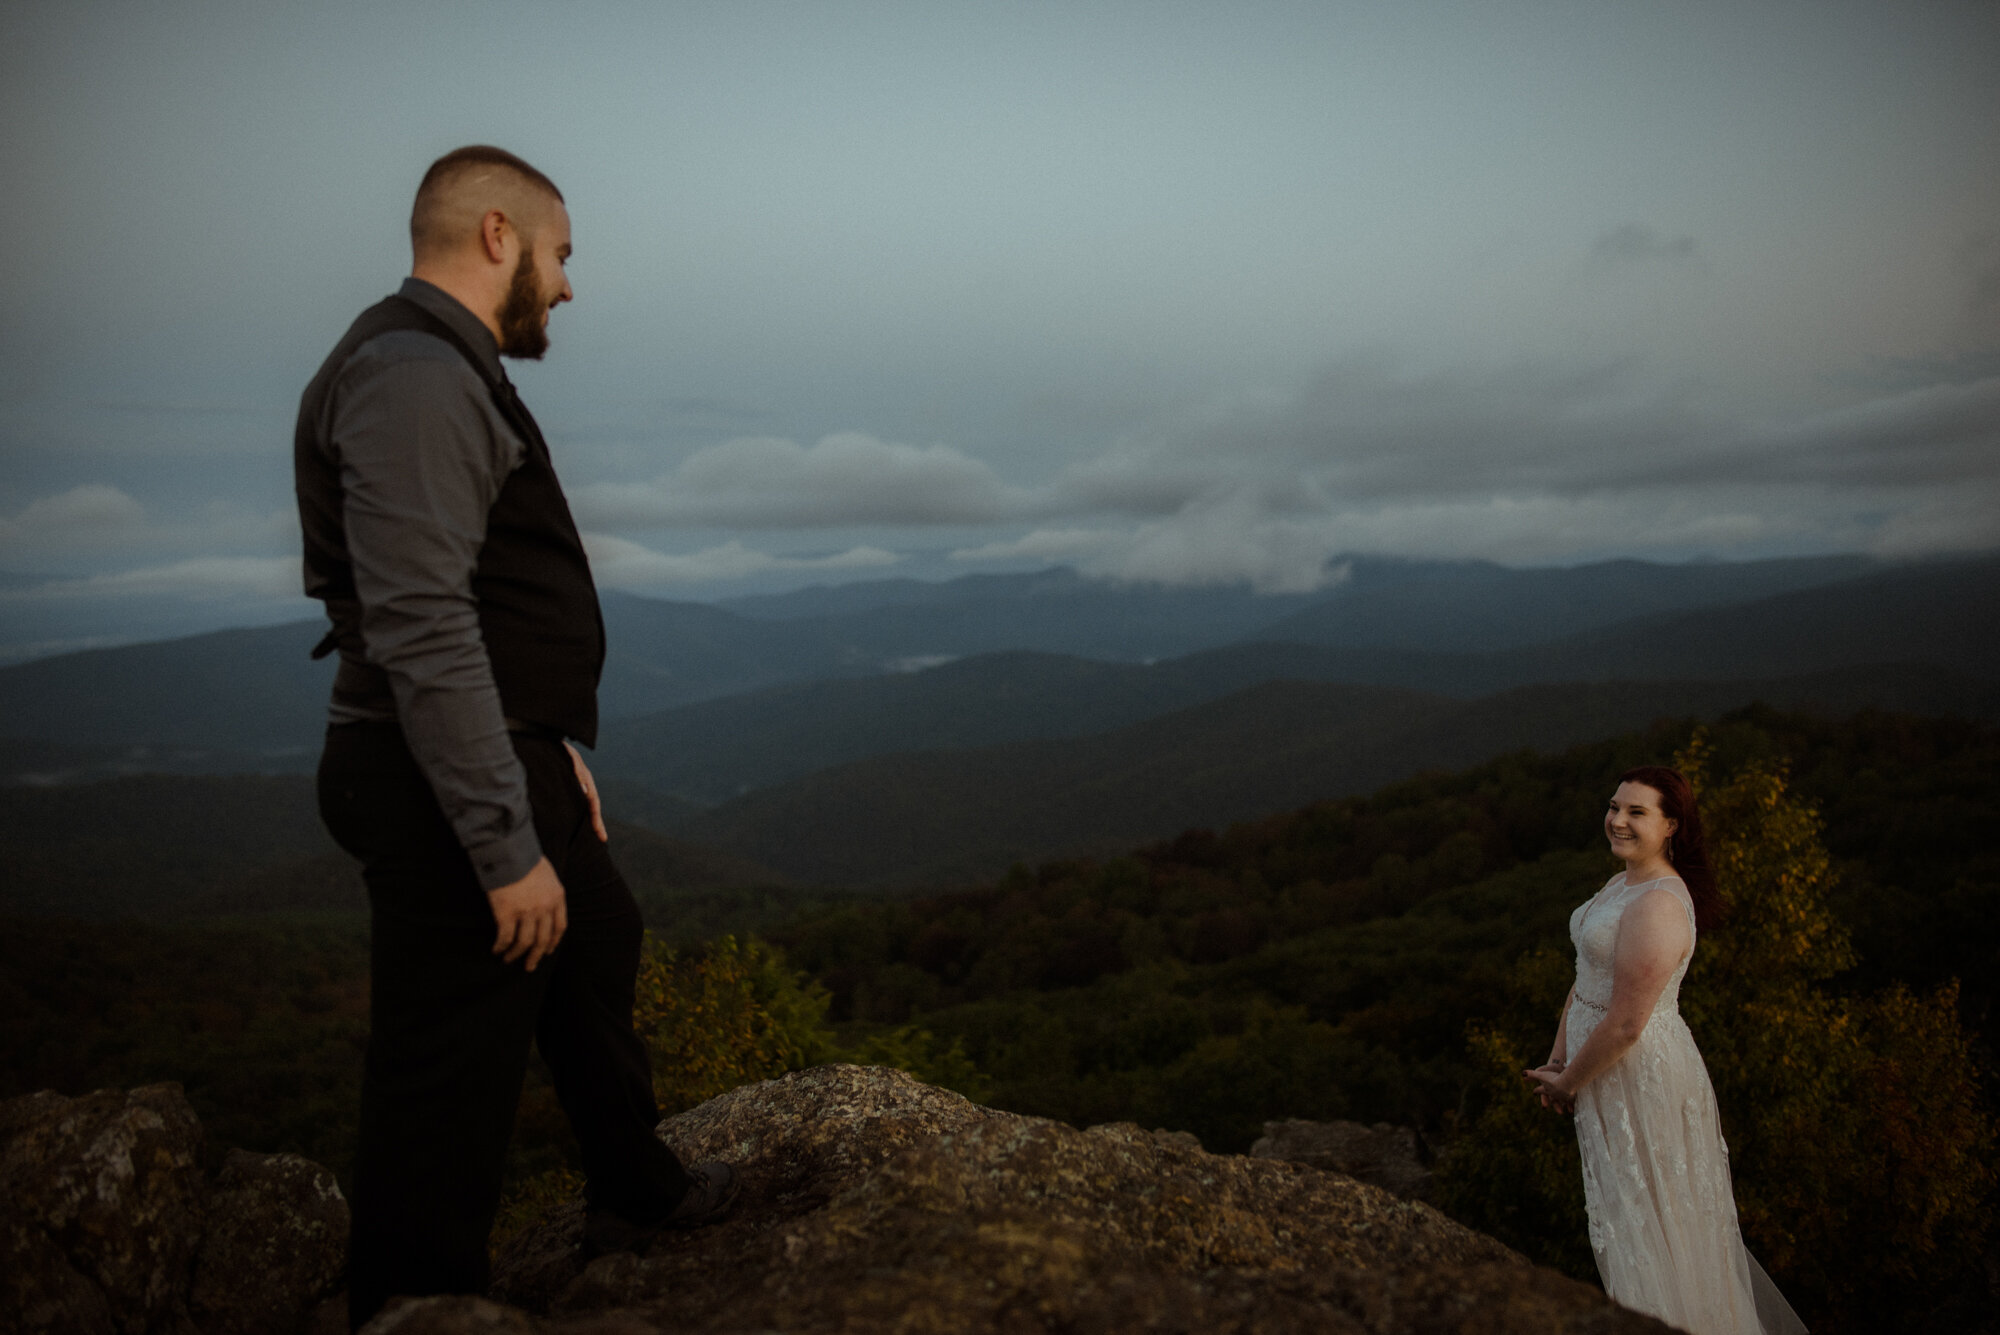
<point x="870" y="1202"/>
<point x="873" y="1202"/>
<point x="108" y="1223"/>
<point x="275" y="1245"/>
<point x="104" y="1206"/>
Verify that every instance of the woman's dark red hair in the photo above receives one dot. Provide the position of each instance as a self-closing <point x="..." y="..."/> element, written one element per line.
<point x="1687" y="848"/>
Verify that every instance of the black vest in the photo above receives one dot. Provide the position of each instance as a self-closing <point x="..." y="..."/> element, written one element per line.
<point x="538" y="612"/>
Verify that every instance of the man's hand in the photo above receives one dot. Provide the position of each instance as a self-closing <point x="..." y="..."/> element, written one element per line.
<point x="531" y="913"/>
<point x="589" y="791"/>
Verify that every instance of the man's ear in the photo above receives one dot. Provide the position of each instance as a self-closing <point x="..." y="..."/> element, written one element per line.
<point x="494" y="229"/>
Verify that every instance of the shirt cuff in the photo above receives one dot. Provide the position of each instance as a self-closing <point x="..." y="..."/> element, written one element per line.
<point x="507" y="859"/>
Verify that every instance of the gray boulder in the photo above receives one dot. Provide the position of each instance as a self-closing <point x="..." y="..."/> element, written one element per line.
<point x="104" y="1199"/>
<point x="274" y="1248"/>
<point x="108" y="1225"/>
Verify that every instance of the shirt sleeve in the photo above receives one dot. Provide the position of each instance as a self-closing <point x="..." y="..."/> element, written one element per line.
<point x="422" y="457"/>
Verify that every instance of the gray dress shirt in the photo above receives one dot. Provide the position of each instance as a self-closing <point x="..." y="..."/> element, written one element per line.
<point x="423" y="453"/>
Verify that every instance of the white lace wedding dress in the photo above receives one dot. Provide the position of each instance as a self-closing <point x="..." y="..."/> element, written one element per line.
<point x="1655" y="1169"/>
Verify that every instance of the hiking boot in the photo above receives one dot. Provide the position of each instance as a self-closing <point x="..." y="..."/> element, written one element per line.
<point x="711" y="1191"/>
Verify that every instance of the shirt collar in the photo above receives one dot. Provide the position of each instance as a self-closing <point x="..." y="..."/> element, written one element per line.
<point x="462" y="321"/>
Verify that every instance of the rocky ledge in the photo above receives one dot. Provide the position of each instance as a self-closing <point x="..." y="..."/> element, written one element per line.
<point x="870" y="1202"/>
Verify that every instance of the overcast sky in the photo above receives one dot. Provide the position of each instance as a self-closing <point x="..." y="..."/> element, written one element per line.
<point x="1189" y="293"/>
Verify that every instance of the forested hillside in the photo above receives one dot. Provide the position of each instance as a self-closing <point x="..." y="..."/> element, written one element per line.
<point x="1359" y="936"/>
<point x="178" y="847"/>
<point x="1328" y="961"/>
<point x="939" y="817"/>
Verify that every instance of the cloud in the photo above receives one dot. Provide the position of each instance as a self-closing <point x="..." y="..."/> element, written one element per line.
<point x="1367" y="429"/>
<point x="96" y="520"/>
<point x="1940" y="435"/>
<point x="1233" y="541"/>
<point x="1980" y="260"/>
<point x="1636" y="243"/>
<point x="1518" y="463"/>
<point x="1044" y="544"/>
<point x="93" y="512"/>
<point x="203" y="577"/>
<point x="1362" y="431"/>
<point x="621" y="563"/>
<point x="846" y="479"/>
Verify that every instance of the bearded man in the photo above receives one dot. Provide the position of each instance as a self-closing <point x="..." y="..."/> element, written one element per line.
<point x="470" y="645"/>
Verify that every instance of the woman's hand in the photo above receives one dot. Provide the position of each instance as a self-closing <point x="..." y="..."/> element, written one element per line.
<point x="1547" y="1082"/>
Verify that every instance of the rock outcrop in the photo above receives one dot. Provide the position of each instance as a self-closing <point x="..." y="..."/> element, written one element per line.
<point x="872" y="1202"/>
<point x="104" y="1197"/>
<point x="869" y="1202"/>
<point x="276" y="1243"/>
<point x="108" y="1223"/>
<point x="1382" y="1155"/>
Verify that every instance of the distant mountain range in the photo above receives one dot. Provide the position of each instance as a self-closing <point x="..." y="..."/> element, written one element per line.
<point x="930" y="818"/>
<point x="797" y="751"/>
<point x="1943" y="616"/>
<point x="1477" y="607"/>
<point x="252" y="700"/>
<point x="180" y="845"/>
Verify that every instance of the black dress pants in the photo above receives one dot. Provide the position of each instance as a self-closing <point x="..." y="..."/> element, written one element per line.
<point x="450" y="1022"/>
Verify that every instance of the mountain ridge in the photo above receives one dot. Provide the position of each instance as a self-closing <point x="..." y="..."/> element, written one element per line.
<point x="252" y="700"/>
<point x="712" y="751"/>
<point x="932" y="818"/>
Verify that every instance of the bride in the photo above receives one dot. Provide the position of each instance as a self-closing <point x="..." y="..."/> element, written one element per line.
<point x="1655" y="1169"/>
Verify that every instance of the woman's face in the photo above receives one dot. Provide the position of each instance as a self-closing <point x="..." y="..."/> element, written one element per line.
<point x="1635" y="825"/>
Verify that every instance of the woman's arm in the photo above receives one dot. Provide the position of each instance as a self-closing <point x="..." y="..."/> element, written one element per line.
<point x="1558" y="1053"/>
<point x="1559" y="1050"/>
<point x="1652" y="939"/>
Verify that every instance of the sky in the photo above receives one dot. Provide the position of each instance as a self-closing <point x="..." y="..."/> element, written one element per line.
<point x="1192" y="294"/>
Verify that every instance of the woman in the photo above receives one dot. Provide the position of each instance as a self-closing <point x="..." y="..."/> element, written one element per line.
<point x="1655" y="1169"/>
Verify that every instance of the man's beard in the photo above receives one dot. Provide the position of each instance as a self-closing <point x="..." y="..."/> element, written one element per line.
<point x="523" y="332"/>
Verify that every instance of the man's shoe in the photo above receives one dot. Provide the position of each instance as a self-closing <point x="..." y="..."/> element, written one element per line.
<point x="711" y="1191"/>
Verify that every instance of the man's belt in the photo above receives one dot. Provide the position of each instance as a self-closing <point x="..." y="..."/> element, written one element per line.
<point x="540" y="731"/>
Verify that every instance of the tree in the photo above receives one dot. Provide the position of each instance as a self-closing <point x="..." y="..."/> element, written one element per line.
<point x="730" y="1014"/>
<point x="734" y="1012"/>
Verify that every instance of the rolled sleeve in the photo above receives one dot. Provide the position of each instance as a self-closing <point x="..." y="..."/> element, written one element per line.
<point x="423" y="456"/>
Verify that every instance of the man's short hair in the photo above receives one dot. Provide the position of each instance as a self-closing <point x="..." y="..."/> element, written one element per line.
<point x="431" y="221"/>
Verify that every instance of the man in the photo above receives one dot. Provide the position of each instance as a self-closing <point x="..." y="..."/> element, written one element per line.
<point x="470" y="644"/>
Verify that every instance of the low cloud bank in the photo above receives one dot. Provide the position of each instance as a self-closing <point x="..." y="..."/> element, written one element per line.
<point x="620" y="563"/>
<point x="843" y="480"/>
<point x="202" y="577"/>
<point x="1525" y="463"/>
<point x="96" y="522"/>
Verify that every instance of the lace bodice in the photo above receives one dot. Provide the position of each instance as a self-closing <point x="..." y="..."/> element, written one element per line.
<point x="1593" y="930"/>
